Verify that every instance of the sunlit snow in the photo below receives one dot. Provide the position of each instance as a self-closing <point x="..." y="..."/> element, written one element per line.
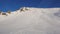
<point x="31" y="21"/>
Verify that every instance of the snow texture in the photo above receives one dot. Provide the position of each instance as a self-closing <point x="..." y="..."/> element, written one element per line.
<point x="32" y="21"/>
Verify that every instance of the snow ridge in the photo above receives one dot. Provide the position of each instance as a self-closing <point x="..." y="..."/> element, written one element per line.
<point x="31" y="21"/>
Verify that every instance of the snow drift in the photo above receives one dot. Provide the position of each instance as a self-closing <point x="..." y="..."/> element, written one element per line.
<point x="32" y="21"/>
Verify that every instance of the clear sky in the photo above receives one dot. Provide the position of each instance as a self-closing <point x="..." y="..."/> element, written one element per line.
<point x="16" y="4"/>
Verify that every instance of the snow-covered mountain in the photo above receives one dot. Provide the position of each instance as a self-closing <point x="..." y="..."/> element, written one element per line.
<point x="31" y="21"/>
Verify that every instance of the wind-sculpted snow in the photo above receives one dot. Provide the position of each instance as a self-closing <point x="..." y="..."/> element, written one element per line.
<point x="32" y="21"/>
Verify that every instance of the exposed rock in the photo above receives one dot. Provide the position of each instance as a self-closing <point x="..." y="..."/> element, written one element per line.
<point x="4" y="14"/>
<point x="9" y="12"/>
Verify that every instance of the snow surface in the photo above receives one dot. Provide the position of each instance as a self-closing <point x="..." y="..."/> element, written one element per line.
<point x="32" y="21"/>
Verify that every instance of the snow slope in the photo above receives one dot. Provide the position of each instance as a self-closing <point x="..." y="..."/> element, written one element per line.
<point x="32" y="21"/>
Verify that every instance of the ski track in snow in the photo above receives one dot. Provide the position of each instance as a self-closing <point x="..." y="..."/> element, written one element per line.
<point x="33" y="21"/>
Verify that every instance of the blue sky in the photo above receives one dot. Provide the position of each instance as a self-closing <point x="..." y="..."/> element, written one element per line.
<point x="16" y="4"/>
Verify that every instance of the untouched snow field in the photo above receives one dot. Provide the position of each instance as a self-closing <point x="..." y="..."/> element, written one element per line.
<point x="32" y="21"/>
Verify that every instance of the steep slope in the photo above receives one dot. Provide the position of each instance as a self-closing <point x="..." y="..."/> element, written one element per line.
<point x="32" y="21"/>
